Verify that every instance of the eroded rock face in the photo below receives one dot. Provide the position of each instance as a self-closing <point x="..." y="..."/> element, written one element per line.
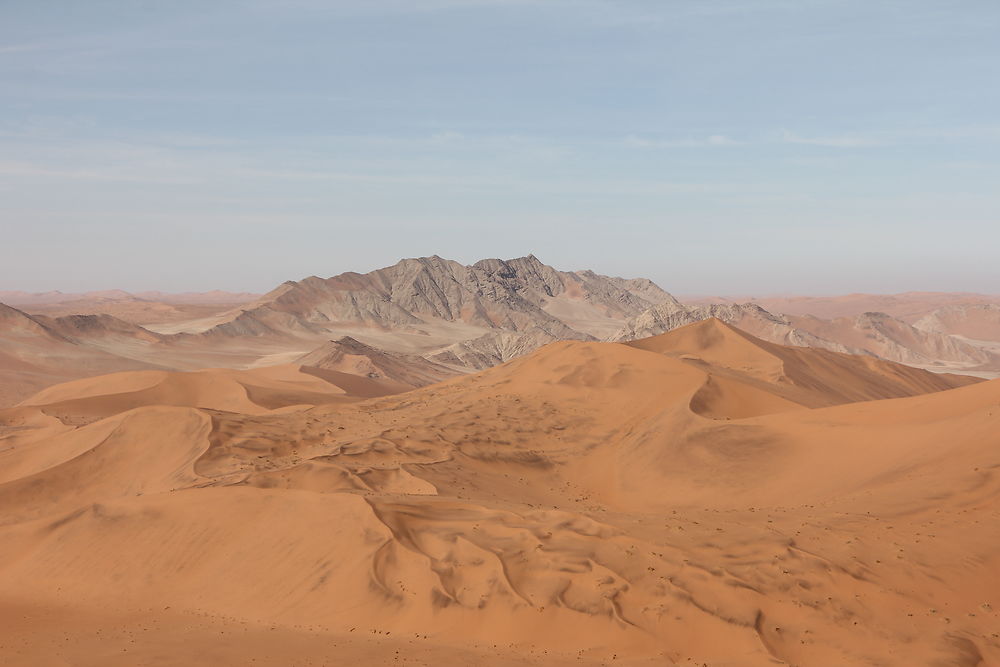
<point x="979" y="322"/>
<point x="890" y="338"/>
<point x="489" y="312"/>
<point x="936" y="340"/>
<point x="492" y="293"/>
<point x="498" y="347"/>
<point x="747" y="316"/>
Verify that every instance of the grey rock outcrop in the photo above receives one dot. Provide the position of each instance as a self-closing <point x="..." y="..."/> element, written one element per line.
<point x="747" y="316"/>
<point x="504" y="295"/>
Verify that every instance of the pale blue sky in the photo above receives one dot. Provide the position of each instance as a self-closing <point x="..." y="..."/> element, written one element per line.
<point x="731" y="146"/>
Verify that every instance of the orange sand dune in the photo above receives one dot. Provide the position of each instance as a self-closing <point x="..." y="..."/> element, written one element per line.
<point x="37" y="353"/>
<point x="810" y="376"/>
<point x="351" y="356"/>
<point x="250" y="392"/>
<point x="700" y="497"/>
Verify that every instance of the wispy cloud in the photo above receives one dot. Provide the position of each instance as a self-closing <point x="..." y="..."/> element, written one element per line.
<point x="386" y="7"/>
<point x="836" y="141"/>
<point x="895" y="136"/>
<point x="636" y="141"/>
<point x="30" y="170"/>
<point x="974" y="132"/>
<point x="206" y="167"/>
<point x="23" y="48"/>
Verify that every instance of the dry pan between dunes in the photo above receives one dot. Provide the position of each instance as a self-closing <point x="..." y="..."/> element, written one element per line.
<point x="700" y="496"/>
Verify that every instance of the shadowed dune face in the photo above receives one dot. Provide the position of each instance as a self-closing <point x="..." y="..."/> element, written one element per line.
<point x="700" y="496"/>
<point x="810" y="377"/>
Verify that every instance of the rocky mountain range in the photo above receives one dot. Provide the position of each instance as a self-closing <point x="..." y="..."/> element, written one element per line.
<point x="933" y="342"/>
<point x="747" y="316"/>
<point x="494" y="310"/>
<point x="511" y="295"/>
<point x="906" y="306"/>
<point x="975" y="322"/>
<point x="437" y="317"/>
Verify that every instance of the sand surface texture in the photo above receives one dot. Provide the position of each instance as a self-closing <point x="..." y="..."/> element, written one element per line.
<point x="700" y="497"/>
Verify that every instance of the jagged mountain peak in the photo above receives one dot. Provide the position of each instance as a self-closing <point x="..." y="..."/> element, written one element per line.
<point x="516" y="294"/>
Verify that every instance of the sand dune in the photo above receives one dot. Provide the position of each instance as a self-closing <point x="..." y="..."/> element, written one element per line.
<point x="143" y="308"/>
<point x="351" y="356"/>
<point x="249" y="392"/>
<point x="811" y="377"/>
<point x="40" y="352"/>
<point x="701" y="497"/>
<point x="954" y="332"/>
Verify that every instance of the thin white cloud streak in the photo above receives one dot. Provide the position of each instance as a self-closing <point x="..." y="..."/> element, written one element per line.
<point x="28" y="170"/>
<point x="895" y="137"/>
<point x="843" y="141"/>
<point x="389" y="7"/>
<point x="207" y="174"/>
<point x="25" y="48"/>
<point x="713" y="140"/>
<point x="198" y="170"/>
<point x="422" y="162"/>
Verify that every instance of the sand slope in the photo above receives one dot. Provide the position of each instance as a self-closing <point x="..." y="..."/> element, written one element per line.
<point x="253" y="391"/>
<point x="144" y="308"/>
<point x="700" y="497"/>
<point x="351" y="356"/>
<point x="811" y="377"/>
<point x="37" y="352"/>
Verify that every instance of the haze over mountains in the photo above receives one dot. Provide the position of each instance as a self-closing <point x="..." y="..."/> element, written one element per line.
<point x="458" y="318"/>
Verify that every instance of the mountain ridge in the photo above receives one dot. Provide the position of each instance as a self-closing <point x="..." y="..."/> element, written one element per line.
<point x="471" y="317"/>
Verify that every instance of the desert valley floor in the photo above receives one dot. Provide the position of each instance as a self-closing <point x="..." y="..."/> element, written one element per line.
<point x="697" y="497"/>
